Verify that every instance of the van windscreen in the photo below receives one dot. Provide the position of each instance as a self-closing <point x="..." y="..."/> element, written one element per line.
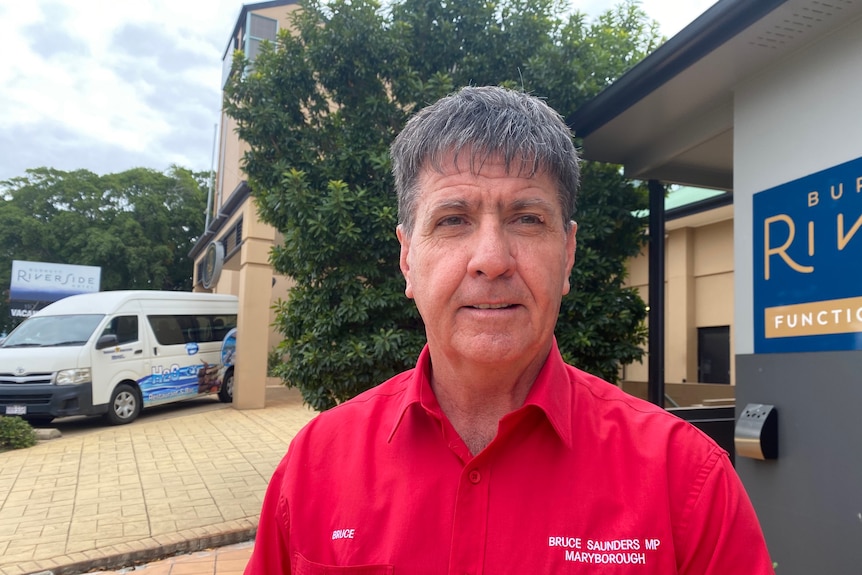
<point x="54" y="331"/>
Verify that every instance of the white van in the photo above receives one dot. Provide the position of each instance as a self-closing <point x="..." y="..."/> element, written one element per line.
<point x="114" y="353"/>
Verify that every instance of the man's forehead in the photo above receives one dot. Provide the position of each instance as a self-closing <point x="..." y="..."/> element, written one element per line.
<point x="462" y="191"/>
<point x="455" y="198"/>
<point x="477" y="162"/>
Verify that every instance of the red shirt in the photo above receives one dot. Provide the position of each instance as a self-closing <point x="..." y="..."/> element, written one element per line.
<point x="582" y="479"/>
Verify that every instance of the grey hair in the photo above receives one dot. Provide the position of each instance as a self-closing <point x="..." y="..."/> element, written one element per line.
<point x="527" y="134"/>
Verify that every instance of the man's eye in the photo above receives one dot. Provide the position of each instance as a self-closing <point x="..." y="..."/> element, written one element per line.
<point x="529" y="219"/>
<point x="451" y="221"/>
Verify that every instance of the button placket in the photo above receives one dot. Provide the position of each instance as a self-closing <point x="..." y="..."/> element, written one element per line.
<point x="470" y="528"/>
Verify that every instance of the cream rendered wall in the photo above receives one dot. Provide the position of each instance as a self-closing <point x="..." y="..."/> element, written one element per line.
<point x="713" y="269"/>
<point x="248" y="273"/>
<point x="638" y="278"/>
<point x="228" y="282"/>
<point x="230" y="174"/>
<point x="231" y="148"/>
<point x="714" y="245"/>
<point x="680" y="333"/>
<point x="280" y="13"/>
<point x="698" y="293"/>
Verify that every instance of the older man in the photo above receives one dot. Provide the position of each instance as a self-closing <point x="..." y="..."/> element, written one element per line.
<point x="492" y="455"/>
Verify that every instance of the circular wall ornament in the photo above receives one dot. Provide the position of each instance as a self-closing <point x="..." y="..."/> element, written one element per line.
<point x="213" y="262"/>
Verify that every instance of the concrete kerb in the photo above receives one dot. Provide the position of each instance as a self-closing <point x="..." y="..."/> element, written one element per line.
<point x="147" y="550"/>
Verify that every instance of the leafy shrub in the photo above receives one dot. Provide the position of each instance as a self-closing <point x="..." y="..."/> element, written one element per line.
<point x="15" y="433"/>
<point x="273" y="360"/>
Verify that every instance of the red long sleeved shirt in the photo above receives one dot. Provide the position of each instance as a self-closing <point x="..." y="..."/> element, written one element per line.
<point x="582" y="479"/>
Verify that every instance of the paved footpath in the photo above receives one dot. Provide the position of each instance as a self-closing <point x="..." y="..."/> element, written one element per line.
<point x="229" y="560"/>
<point x="127" y="495"/>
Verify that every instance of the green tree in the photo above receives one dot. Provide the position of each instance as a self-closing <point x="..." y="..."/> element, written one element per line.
<point x="138" y="225"/>
<point x="319" y="110"/>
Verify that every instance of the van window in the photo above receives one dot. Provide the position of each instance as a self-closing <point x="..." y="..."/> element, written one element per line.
<point x="180" y="329"/>
<point x="54" y="331"/>
<point x="125" y="327"/>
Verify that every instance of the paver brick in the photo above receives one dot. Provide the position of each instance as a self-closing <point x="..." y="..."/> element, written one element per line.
<point x="160" y="486"/>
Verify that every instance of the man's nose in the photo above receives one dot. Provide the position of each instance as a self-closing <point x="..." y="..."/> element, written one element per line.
<point x="491" y="252"/>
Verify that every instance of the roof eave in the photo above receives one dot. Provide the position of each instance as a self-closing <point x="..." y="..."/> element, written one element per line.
<point x="720" y="23"/>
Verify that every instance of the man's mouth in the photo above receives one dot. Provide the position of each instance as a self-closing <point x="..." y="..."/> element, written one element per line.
<point x="492" y="306"/>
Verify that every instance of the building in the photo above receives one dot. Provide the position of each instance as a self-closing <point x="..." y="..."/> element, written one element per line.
<point x="699" y="290"/>
<point x="232" y="256"/>
<point x="761" y="99"/>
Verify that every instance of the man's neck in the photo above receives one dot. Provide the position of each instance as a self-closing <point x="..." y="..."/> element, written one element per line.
<point x="475" y="398"/>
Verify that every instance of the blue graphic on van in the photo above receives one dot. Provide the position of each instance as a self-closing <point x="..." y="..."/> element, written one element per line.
<point x="169" y="384"/>
<point x="179" y="382"/>
<point x="191" y="348"/>
<point x="228" y="348"/>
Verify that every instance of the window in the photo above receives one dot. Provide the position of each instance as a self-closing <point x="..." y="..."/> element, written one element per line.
<point x="227" y="63"/>
<point x="259" y="28"/>
<point x="54" y="330"/>
<point x="182" y="329"/>
<point x="125" y="327"/>
<point x="713" y="354"/>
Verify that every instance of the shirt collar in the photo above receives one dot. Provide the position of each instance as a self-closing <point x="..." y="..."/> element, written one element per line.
<point x="418" y="387"/>
<point x="551" y="392"/>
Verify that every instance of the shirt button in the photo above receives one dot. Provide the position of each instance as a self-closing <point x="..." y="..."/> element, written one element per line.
<point x="475" y="477"/>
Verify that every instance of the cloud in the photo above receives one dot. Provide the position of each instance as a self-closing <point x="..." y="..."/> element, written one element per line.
<point x="50" y="39"/>
<point x="106" y="87"/>
<point x="53" y="145"/>
<point x="110" y="87"/>
<point x="150" y="41"/>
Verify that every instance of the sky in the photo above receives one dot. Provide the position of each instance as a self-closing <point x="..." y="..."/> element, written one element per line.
<point x="108" y="86"/>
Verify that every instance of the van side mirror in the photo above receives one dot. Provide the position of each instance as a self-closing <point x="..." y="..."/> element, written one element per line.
<point x="109" y="340"/>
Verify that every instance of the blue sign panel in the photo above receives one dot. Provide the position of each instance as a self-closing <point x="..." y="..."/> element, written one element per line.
<point x="808" y="263"/>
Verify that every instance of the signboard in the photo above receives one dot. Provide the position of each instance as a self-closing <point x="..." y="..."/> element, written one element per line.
<point x="37" y="284"/>
<point x="807" y="240"/>
<point x="213" y="262"/>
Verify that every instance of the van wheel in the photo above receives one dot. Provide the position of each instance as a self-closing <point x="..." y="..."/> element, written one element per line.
<point x="125" y="405"/>
<point x="225" y="394"/>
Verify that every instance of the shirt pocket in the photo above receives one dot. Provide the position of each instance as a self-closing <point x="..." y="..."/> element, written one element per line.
<point x="303" y="566"/>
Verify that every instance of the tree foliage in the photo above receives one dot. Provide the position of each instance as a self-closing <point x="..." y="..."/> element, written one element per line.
<point x="138" y="225"/>
<point x="319" y="110"/>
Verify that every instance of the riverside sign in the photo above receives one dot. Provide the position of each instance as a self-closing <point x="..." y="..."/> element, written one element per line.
<point x="37" y="284"/>
<point x="808" y="263"/>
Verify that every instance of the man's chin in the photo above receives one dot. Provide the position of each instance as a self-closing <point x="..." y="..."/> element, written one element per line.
<point x="493" y="348"/>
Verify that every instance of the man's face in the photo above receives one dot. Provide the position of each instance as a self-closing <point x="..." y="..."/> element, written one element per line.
<point x="487" y="263"/>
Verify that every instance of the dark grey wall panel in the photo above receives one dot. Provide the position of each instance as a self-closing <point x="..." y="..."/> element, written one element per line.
<point x="809" y="500"/>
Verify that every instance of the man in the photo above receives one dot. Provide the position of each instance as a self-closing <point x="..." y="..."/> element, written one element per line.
<point x="492" y="455"/>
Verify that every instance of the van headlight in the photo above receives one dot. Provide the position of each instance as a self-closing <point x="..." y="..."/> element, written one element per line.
<point x="73" y="376"/>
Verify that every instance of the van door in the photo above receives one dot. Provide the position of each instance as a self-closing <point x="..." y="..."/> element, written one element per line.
<point x="125" y="361"/>
<point x="182" y="366"/>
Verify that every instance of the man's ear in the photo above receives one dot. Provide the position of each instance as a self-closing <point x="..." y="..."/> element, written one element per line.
<point x="571" y="248"/>
<point x="403" y="260"/>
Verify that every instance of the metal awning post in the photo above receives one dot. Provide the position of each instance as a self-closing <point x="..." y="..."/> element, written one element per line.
<point x="655" y="385"/>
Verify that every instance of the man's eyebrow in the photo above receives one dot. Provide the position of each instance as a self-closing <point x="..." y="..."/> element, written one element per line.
<point x="449" y="204"/>
<point x="532" y="203"/>
<point x="462" y="205"/>
<point x="445" y="206"/>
